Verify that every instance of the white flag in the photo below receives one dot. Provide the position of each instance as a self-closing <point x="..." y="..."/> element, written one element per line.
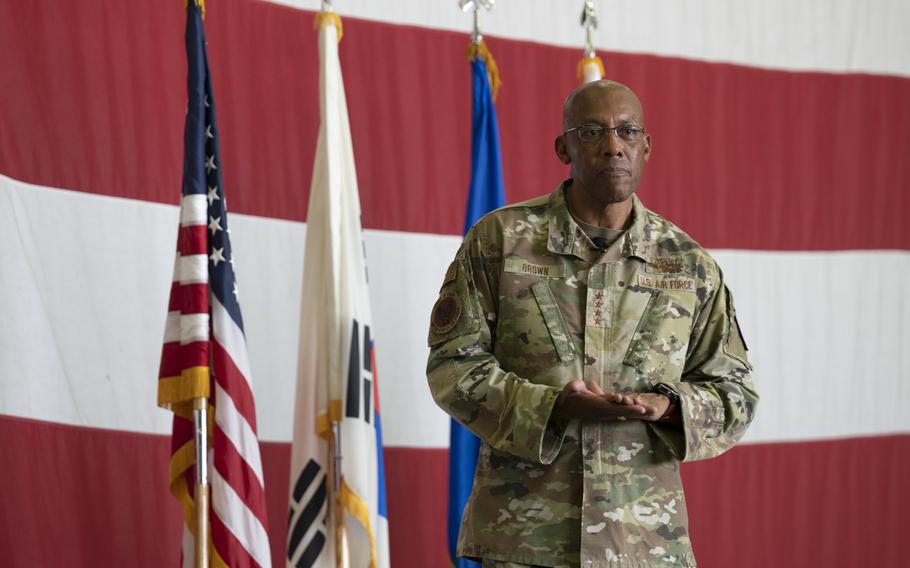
<point x="336" y="376"/>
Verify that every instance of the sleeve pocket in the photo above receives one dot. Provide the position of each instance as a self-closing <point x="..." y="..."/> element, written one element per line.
<point x="734" y="342"/>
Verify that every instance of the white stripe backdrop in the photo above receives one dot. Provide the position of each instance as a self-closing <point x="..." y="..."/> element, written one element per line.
<point x="866" y="36"/>
<point x="824" y="328"/>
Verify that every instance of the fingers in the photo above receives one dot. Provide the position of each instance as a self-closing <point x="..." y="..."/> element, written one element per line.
<point x="651" y="402"/>
<point x="631" y="405"/>
<point x="639" y="403"/>
<point x="622" y="398"/>
<point x="588" y="401"/>
<point x="643" y="403"/>
<point x="635" y="410"/>
<point x="623" y="406"/>
<point x="575" y="386"/>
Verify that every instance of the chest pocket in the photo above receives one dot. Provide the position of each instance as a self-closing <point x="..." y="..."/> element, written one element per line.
<point x="658" y="347"/>
<point x="556" y="323"/>
<point x="531" y="335"/>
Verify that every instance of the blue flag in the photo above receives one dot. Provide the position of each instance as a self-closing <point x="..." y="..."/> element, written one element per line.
<point x="486" y="193"/>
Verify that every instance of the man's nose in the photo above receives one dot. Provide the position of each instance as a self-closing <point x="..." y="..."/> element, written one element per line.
<point x="611" y="144"/>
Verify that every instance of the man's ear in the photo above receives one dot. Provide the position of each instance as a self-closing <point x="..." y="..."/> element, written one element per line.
<point x="561" y="151"/>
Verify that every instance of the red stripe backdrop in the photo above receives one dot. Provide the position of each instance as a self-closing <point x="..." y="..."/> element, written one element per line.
<point x="99" y="498"/>
<point x="94" y="101"/>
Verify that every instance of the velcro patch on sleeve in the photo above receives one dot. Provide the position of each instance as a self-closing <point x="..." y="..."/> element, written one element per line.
<point x="454" y="313"/>
<point x="446" y="313"/>
<point x="451" y="273"/>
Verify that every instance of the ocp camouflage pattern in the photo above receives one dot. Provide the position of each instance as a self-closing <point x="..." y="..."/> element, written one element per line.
<point x="539" y="305"/>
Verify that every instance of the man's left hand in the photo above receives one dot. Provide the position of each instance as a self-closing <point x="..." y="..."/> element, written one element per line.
<point x="656" y="403"/>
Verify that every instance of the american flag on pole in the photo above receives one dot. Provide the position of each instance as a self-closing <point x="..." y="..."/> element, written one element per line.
<point x="204" y="353"/>
<point x="337" y="512"/>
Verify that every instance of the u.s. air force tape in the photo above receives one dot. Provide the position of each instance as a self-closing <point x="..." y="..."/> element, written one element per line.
<point x="445" y="313"/>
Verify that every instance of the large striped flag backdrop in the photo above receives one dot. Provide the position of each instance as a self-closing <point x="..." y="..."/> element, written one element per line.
<point x="337" y="493"/>
<point x="204" y="353"/>
<point x="780" y="138"/>
<point x="486" y="192"/>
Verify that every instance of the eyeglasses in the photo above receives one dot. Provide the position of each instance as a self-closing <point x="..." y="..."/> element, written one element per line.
<point x="594" y="133"/>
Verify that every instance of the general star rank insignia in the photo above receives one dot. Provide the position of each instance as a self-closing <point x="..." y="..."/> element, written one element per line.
<point x="445" y="313"/>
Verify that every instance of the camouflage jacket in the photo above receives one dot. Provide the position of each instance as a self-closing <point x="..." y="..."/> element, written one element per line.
<point x="530" y="304"/>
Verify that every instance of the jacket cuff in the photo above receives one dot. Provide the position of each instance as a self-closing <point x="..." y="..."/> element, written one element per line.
<point x="672" y="436"/>
<point x="702" y="421"/>
<point x="536" y="429"/>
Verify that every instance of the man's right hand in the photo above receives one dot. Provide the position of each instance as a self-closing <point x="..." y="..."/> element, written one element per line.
<point x="589" y="402"/>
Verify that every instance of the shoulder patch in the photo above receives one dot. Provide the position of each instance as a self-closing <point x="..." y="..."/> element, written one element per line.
<point x="446" y="313"/>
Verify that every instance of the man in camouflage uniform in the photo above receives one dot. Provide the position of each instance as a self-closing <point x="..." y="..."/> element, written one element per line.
<point x="592" y="346"/>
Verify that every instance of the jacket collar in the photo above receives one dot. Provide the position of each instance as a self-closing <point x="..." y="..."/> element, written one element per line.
<point x="566" y="237"/>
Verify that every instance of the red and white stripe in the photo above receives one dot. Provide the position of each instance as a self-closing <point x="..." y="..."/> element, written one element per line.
<point x="186" y="330"/>
<point x="237" y="486"/>
<point x="239" y="517"/>
<point x="787" y="161"/>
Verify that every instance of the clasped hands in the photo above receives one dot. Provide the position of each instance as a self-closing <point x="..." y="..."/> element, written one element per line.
<point x="587" y="401"/>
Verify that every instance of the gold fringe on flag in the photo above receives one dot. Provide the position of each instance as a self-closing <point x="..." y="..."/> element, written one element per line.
<point x="327" y="18"/>
<point x="324" y="421"/>
<point x="200" y="3"/>
<point x="182" y="459"/>
<point x="359" y="510"/>
<point x="588" y="68"/>
<point x="479" y="50"/>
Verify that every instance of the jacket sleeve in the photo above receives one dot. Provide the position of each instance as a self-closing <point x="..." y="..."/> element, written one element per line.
<point x="717" y="396"/>
<point x="506" y="411"/>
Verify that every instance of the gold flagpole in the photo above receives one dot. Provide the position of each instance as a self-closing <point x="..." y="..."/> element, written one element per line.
<point x="200" y="422"/>
<point x="338" y="513"/>
<point x="335" y="457"/>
